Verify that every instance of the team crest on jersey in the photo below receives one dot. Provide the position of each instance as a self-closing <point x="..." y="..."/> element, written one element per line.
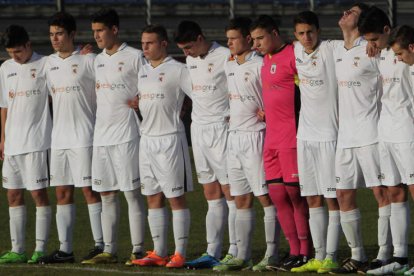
<point x="33" y="73"/>
<point x="74" y="68"/>
<point x="97" y="85"/>
<point x="53" y="89"/>
<point x="161" y="77"/>
<point x="120" y="65"/>
<point x="210" y="67"/>
<point x="11" y="94"/>
<point x="356" y="61"/>
<point x="273" y="68"/>
<point x="246" y="76"/>
<point x="314" y="58"/>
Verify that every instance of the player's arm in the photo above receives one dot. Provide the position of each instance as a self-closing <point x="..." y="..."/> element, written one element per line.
<point x="261" y="115"/>
<point x="3" y="115"/>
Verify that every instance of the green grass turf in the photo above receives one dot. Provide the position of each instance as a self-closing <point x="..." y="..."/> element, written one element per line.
<point x="197" y="244"/>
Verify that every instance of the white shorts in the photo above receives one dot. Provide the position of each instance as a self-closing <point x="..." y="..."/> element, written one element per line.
<point x="316" y="164"/>
<point x="71" y="167"/>
<point x="116" y="167"/>
<point x="209" y="150"/>
<point x="357" y="167"/>
<point x="397" y="163"/>
<point x="28" y="171"/>
<point x="164" y="165"/>
<point x="245" y="163"/>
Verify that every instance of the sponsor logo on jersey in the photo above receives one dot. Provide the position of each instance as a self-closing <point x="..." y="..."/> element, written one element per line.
<point x="120" y="66"/>
<point x="111" y="86"/>
<point x="66" y="89"/>
<point x="204" y="88"/>
<point x="311" y="82"/>
<point x="273" y="68"/>
<point x="75" y="68"/>
<point x="11" y="75"/>
<point x="54" y="68"/>
<point x="161" y="77"/>
<point x="386" y="81"/>
<point x="150" y="96"/>
<point x="349" y="84"/>
<point x="356" y="61"/>
<point x="242" y="98"/>
<point x="33" y="73"/>
<point x="25" y="93"/>
<point x="210" y="67"/>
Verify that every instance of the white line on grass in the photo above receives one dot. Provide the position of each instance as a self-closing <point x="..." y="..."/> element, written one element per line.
<point x="108" y="270"/>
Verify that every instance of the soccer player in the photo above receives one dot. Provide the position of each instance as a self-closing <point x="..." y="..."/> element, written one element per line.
<point x="116" y="136"/>
<point x="164" y="159"/>
<point x="71" y="81"/>
<point x="281" y="107"/>
<point x="357" y="155"/>
<point x="317" y="133"/>
<point x="25" y="139"/>
<point x="395" y="134"/>
<point x="209" y="130"/>
<point x="402" y="43"/>
<point x="245" y="149"/>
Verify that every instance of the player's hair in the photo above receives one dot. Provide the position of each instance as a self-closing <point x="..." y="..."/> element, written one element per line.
<point x="265" y="22"/>
<point x="403" y="35"/>
<point x="241" y="24"/>
<point x="108" y="17"/>
<point x="157" y="29"/>
<point x="63" y="20"/>
<point x="187" y="31"/>
<point x="362" y="6"/>
<point x="373" y="21"/>
<point x="306" y="17"/>
<point x="15" y="36"/>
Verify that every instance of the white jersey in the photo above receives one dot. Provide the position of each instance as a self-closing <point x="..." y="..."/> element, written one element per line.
<point x="359" y="89"/>
<point x="71" y="83"/>
<point x="245" y="92"/>
<point x="396" y="123"/>
<point x="25" y="95"/>
<point x="210" y="92"/>
<point x="116" y="79"/>
<point x="161" y="96"/>
<point x="318" y="119"/>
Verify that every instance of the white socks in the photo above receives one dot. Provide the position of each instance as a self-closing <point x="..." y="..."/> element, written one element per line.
<point x="399" y="222"/>
<point x="136" y="214"/>
<point x="351" y="225"/>
<point x="245" y="222"/>
<point x="110" y="222"/>
<point x="318" y="227"/>
<point x="43" y="218"/>
<point x="272" y="230"/>
<point x="18" y="228"/>
<point x="232" y="227"/>
<point x="334" y="230"/>
<point x="384" y="233"/>
<point x="95" y="210"/>
<point x="158" y="224"/>
<point x="65" y="220"/>
<point x="215" y="220"/>
<point x="181" y="228"/>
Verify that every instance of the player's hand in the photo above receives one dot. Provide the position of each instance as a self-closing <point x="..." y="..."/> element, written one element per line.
<point x="2" y="151"/>
<point x="261" y="115"/>
<point x="133" y="103"/>
<point x="86" y="49"/>
<point x="372" y="51"/>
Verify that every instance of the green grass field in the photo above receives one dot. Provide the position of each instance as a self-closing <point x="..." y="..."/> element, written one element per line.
<point x="197" y="244"/>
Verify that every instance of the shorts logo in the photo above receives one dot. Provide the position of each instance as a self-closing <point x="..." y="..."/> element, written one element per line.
<point x="5" y="179"/>
<point x="41" y="180"/>
<point x="175" y="189"/>
<point x="331" y="189"/>
<point x="193" y="67"/>
<point x="273" y="69"/>
<point x="97" y="182"/>
<point x="381" y="176"/>
<point x="338" y="179"/>
<point x="101" y="65"/>
<point x="87" y="178"/>
<point x="142" y="186"/>
<point x="135" y="180"/>
<point x="51" y="177"/>
<point x="411" y="175"/>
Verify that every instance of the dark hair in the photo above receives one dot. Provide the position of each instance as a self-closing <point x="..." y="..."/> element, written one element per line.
<point x="403" y="35"/>
<point x="241" y="24"/>
<point x="265" y="22"/>
<point x="362" y="6"/>
<point x="187" y="31"/>
<point x="63" y="20"/>
<point x="15" y="36"/>
<point x="373" y="21"/>
<point x="157" y="29"/>
<point x="306" y="17"/>
<point x="109" y="17"/>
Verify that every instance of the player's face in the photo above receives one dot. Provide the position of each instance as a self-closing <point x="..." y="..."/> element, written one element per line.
<point x="152" y="47"/>
<point x="376" y="40"/>
<point x="192" y="48"/>
<point x="20" y="54"/>
<point x="350" y="18"/>
<point x="307" y="35"/>
<point x="263" y="41"/>
<point x="60" y="39"/>
<point x="105" y="37"/>
<point x="404" y="55"/>
<point x="237" y="43"/>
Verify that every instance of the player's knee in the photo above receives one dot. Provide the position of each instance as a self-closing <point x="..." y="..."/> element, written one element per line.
<point x="90" y="195"/>
<point x="15" y="197"/>
<point x="40" y="197"/>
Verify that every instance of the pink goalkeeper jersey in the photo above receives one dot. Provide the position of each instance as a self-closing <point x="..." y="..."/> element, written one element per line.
<point x="280" y="99"/>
